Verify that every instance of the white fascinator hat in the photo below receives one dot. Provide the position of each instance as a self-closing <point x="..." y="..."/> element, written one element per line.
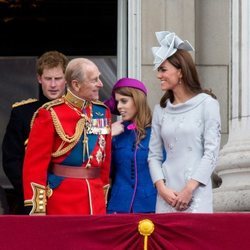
<point x="169" y="43"/>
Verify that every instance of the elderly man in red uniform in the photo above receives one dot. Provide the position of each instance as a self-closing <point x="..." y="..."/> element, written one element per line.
<point x="67" y="161"/>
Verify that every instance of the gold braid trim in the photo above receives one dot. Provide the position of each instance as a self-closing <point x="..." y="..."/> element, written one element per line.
<point x="23" y="102"/>
<point x="33" y="118"/>
<point x="47" y="106"/>
<point x="72" y="140"/>
<point x="31" y="125"/>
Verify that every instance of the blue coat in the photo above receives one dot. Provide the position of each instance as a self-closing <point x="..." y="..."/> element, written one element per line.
<point x="132" y="190"/>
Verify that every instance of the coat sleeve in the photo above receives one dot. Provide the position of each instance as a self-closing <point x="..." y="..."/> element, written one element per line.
<point x="36" y="161"/>
<point x="156" y="152"/>
<point x="212" y="138"/>
<point x="13" y="149"/>
<point x="105" y="174"/>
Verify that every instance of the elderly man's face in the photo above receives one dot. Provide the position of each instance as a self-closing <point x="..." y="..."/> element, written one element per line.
<point x="89" y="88"/>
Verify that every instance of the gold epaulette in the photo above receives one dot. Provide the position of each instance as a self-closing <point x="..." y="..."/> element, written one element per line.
<point x="23" y="102"/>
<point x="47" y="106"/>
<point x="53" y="103"/>
<point x="99" y="103"/>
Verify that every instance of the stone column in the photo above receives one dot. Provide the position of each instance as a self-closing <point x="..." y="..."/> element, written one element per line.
<point x="122" y="43"/>
<point x="234" y="159"/>
<point x="134" y="39"/>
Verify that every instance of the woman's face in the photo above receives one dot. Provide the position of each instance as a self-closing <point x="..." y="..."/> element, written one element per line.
<point x="126" y="107"/>
<point x="169" y="76"/>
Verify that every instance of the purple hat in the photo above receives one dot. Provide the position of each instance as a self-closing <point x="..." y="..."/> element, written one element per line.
<point x="123" y="82"/>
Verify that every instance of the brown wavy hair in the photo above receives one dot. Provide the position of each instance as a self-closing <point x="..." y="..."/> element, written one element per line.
<point x="143" y="117"/>
<point x="182" y="60"/>
<point x="51" y="59"/>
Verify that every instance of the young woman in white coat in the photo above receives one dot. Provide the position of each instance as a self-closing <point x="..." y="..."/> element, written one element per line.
<point x="187" y="124"/>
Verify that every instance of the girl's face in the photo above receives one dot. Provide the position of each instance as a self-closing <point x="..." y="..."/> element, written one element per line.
<point x="126" y="107"/>
<point x="169" y="76"/>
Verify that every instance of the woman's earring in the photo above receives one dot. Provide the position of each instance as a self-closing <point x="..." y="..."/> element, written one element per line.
<point x="179" y="81"/>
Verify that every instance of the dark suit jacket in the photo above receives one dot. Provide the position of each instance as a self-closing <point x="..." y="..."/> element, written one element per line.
<point x="13" y="147"/>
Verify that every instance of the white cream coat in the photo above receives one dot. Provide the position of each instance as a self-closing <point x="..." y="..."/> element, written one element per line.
<point x="190" y="133"/>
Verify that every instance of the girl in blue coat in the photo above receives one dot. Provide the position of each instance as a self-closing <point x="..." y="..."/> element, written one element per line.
<point x="132" y="190"/>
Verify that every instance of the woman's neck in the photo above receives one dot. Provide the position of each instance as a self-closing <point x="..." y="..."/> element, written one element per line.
<point x="181" y="96"/>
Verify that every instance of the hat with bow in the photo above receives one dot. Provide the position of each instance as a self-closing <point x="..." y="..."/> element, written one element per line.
<point x="169" y="43"/>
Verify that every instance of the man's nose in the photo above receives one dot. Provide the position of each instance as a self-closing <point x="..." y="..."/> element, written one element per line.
<point x="53" y="82"/>
<point x="99" y="83"/>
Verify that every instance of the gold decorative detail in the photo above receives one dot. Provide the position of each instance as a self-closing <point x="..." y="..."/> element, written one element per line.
<point x="98" y="156"/>
<point x="99" y="103"/>
<point x="23" y="102"/>
<point x="60" y="131"/>
<point x="72" y="140"/>
<point x="102" y="142"/>
<point x="49" y="191"/>
<point x="53" y="103"/>
<point x="85" y="146"/>
<point x="47" y="106"/>
<point x="75" y="100"/>
<point x="106" y="191"/>
<point x="88" y="165"/>
<point x="26" y="143"/>
<point x="146" y="228"/>
<point x="38" y="201"/>
<point x="33" y="118"/>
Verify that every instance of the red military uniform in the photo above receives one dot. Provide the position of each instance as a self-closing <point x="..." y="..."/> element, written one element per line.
<point x="67" y="161"/>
